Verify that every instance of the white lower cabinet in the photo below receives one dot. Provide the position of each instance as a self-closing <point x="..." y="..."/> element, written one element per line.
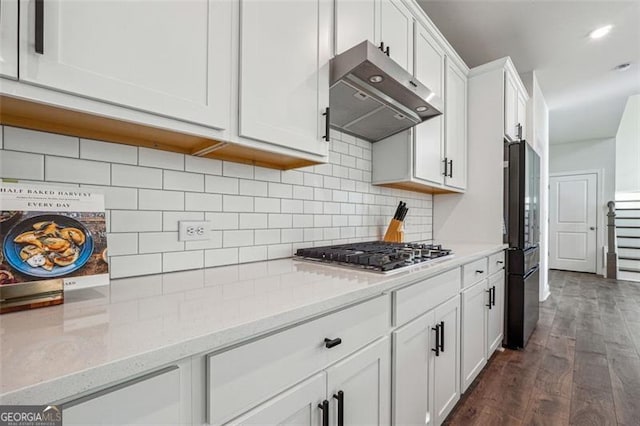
<point x="297" y="406"/>
<point x="495" y="319"/>
<point x="158" y="398"/>
<point x="475" y="302"/>
<point x="426" y="366"/>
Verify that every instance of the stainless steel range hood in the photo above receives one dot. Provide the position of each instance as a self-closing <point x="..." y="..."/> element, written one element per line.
<point x="372" y="97"/>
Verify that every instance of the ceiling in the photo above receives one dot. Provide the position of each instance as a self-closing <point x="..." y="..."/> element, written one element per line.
<point x="586" y="97"/>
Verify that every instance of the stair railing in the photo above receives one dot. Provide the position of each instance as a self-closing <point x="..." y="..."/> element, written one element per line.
<point x="612" y="255"/>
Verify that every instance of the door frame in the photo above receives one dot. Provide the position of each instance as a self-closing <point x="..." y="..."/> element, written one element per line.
<point x="600" y="213"/>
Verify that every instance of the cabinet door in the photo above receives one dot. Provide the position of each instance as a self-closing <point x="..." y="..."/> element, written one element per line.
<point x="510" y="108"/>
<point x="446" y="372"/>
<point x="150" y="400"/>
<point x="413" y="358"/>
<point x="9" y="38"/>
<point x="495" y="320"/>
<point x="475" y="302"/>
<point x="396" y="32"/>
<point x="355" y="23"/>
<point x="297" y="406"/>
<point x="166" y="57"/>
<point x="364" y="379"/>
<point x="281" y="98"/>
<point x="455" y="117"/>
<point x="429" y="136"/>
<point x="522" y="114"/>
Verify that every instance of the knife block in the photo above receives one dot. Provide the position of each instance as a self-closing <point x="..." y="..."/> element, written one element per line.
<point x="395" y="233"/>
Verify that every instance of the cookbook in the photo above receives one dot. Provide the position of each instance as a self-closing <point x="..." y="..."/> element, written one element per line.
<point x="50" y="232"/>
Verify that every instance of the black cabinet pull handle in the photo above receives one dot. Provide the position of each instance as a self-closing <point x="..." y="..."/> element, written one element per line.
<point x="493" y="295"/>
<point x="327" y="123"/>
<point x="479" y="271"/>
<point x="446" y="167"/>
<point x="450" y="168"/>
<point x="381" y="47"/>
<point x="324" y="406"/>
<point x="441" y="336"/>
<point x="39" y="6"/>
<point x="413" y="83"/>
<point x="499" y="262"/>
<point x="437" y="330"/>
<point x="340" y="397"/>
<point x="387" y="51"/>
<point x="330" y="343"/>
<point x="490" y="299"/>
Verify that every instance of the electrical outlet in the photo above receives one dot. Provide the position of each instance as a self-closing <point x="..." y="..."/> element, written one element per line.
<point x="190" y="230"/>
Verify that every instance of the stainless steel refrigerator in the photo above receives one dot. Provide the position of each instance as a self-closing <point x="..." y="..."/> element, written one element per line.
<point x="522" y="233"/>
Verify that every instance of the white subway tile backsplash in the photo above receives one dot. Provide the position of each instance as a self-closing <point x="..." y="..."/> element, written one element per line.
<point x="153" y="199"/>
<point x="277" y="220"/>
<point x="269" y="175"/>
<point x="157" y="242"/>
<point x="135" y="221"/>
<point x="237" y="170"/>
<point x="218" y="257"/>
<point x="237" y="203"/>
<point x="122" y="244"/>
<point x="21" y="165"/>
<point x="136" y="177"/>
<point x="182" y="260"/>
<point x="17" y="139"/>
<point x="183" y="181"/>
<point x="223" y="220"/>
<point x="207" y="166"/>
<point x="280" y="190"/>
<point x="267" y="236"/>
<point x="61" y="169"/>
<point x="254" y="213"/>
<point x="237" y="238"/>
<point x="202" y="202"/>
<point x="253" y="220"/>
<point x="160" y="159"/>
<point x="131" y="266"/>
<point x="220" y="185"/>
<point x="253" y="254"/>
<point x="170" y="219"/>
<point x="110" y="152"/>
<point x="253" y="188"/>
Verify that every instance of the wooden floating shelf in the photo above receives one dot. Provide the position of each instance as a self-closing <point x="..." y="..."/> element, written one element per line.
<point x="47" y="118"/>
<point x="418" y="187"/>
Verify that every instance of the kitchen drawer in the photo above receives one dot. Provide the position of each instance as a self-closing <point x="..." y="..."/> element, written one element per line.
<point x="413" y="301"/>
<point x="240" y="378"/>
<point x="496" y="262"/>
<point x="474" y="272"/>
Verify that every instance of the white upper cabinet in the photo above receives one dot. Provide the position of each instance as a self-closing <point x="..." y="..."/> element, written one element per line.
<point x="9" y="38"/>
<point x="170" y="58"/>
<point x="429" y="136"/>
<point x="355" y="22"/>
<point x="510" y="108"/>
<point x="455" y="117"/>
<point x="522" y="116"/>
<point x="396" y="32"/>
<point x="284" y="72"/>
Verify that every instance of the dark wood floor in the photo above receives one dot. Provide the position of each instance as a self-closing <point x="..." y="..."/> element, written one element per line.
<point x="581" y="366"/>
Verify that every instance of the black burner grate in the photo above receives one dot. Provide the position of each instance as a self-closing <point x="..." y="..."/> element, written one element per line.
<point x="375" y="255"/>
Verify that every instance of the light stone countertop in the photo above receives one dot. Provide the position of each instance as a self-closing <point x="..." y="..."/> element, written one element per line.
<point x="108" y="334"/>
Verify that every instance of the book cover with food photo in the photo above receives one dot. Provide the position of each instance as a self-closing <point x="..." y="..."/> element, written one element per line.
<point x="50" y="233"/>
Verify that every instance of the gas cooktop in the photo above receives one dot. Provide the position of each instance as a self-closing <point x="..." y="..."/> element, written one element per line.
<point x="376" y="256"/>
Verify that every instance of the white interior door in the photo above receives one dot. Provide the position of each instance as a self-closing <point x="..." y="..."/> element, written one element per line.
<point x="572" y="222"/>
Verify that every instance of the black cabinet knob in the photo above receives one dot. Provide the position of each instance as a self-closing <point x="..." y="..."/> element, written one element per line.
<point x="330" y="343"/>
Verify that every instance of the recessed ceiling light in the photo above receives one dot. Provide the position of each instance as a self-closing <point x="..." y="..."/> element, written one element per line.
<point x="376" y="78"/>
<point x="421" y="108"/>
<point x="600" y="32"/>
<point x="622" y="67"/>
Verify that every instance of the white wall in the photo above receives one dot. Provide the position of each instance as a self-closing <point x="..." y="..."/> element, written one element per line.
<point x="596" y="154"/>
<point x="538" y="137"/>
<point x="255" y="213"/>
<point x="627" y="160"/>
